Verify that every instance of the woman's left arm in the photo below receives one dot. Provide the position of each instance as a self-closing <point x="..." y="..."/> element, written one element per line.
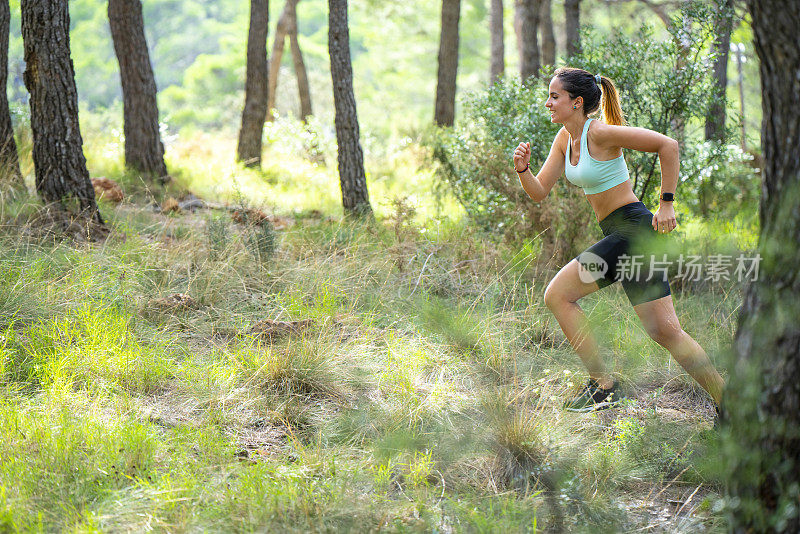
<point x="646" y="140"/>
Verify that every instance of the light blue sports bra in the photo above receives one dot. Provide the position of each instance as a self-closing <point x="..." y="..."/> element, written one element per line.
<point x="592" y="175"/>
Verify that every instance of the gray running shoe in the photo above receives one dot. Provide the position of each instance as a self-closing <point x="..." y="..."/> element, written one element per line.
<point x="592" y="397"/>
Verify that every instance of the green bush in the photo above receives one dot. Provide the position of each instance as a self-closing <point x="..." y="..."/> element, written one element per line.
<point x="665" y="86"/>
<point x="262" y="241"/>
<point x="475" y="161"/>
<point x="218" y="236"/>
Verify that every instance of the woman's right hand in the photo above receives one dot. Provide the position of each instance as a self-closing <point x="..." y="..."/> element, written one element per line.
<point x="522" y="157"/>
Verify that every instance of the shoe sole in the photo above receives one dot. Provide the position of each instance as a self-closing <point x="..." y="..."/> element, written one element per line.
<point x="595" y="407"/>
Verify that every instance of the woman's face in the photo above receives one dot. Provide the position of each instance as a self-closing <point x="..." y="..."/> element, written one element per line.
<point x="559" y="103"/>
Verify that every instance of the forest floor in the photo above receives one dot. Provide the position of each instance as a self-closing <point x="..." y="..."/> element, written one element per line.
<point x="205" y="371"/>
<point x="355" y="379"/>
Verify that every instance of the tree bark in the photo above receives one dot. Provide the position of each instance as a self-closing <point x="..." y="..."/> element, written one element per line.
<point x="352" y="179"/>
<point x="526" y="25"/>
<point x="61" y="174"/>
<point x="256" y="93"/>
<point x="572" y="10"/>
<point x="498" y="63"/>
<point x="765" y="391"/>
<point x="144" y="150"/>
<point x="548" y="37"/>
<point x="445" y="110"/>
<point x="281" y="30"/>
<point x="715" y="121"/>
<point x="304" y="92"/>
<point x="9" y="161"/>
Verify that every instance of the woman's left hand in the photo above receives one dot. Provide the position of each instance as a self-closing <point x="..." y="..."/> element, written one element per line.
<point x="664" y="218"/>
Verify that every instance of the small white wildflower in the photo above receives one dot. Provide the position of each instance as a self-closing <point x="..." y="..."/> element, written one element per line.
<point x="567" y="372"/>
<point x="546" y="371"/>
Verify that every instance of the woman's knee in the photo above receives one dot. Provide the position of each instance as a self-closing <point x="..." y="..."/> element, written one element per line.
<point x="551" y="298"/>
<point x="665" y="332"/>
<point x="566" y="288"/>
<point x="555" y="297"/>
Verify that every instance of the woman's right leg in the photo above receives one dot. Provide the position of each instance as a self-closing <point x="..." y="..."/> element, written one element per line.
<point x="561" y="297"/>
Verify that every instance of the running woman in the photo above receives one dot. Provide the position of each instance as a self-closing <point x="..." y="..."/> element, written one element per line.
<point x="589" y="153"/>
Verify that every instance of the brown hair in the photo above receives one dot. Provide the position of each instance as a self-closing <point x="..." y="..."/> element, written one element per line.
<point x="578" y="82"/>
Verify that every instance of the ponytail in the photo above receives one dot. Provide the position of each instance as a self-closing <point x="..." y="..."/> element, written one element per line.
<point x="612" y="110"/>
<point x="596" y="91"/>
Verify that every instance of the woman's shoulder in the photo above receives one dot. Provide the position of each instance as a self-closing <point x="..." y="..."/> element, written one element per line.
<point x="562" y="139"/>
<point x="601" y="133"/>
<point x="597" y="127"/>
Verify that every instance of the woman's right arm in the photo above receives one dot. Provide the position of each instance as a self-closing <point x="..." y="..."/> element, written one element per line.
<point x="537" y="187"/>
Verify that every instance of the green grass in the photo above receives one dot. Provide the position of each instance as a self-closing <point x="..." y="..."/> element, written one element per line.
<point x="425" y="395"/>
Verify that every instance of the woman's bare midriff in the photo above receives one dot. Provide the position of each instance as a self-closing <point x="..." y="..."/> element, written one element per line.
<point x="611" y="199"/>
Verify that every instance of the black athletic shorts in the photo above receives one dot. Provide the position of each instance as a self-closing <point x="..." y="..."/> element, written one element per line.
<point x="627" y="255"/>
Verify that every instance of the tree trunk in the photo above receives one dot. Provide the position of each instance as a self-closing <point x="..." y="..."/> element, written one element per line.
<point x="304" y="92"/>
<point x="144" y="150"/>
<point x="352" y="179"/>
<point x="572" y="10"/>
<point x="526" y="25"/>
<point x="740" y="83"/>
<point x="61" y="173"/>
<point x="548" y="37"/>
<point x="445" y="112"/>
<point x="765" y="391"/>
<point x="255" y="100"/>
<point x="9" y="161"/>
<point x="715" y="121"/>
<point x="498" y="63"/>
<point x="277" y="55"/>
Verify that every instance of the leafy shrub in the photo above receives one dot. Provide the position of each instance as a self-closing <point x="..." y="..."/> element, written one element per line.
<point x="719" y="179"/>
<point x="664" y="86"/>
<point x="218" y="235"/>
<point x="262" y="241"/>
<point x="476" y="162"/>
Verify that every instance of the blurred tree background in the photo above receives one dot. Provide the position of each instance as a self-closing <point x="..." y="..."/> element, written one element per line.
<point x="198" y="53"/>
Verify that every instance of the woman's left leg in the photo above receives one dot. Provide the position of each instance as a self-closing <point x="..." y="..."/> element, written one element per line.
<point x="661" y="323"/>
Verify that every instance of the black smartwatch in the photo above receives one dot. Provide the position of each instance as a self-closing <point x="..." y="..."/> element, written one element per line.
<point x="667" y="197"/>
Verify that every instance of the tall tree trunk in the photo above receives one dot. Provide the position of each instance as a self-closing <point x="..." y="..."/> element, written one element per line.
<point x="498" y="63"/>
<point x="572" y="10"/>
<point x="715" y="120"/>
<point x="765" y="391"/>
<point x="9" y="161"/>
<point x="352" y="179"/>
<point x="144" y="150"/>
<point x="445" y="111"/>
<point x="255" y="100"/>
<point x="740" y="83"/>
<point x="61" y="173"/>
<point x="548" y="37"/>
<point x="304" y="92"/>
<point x="526" y="25"/>
<point x="277" y="55"/>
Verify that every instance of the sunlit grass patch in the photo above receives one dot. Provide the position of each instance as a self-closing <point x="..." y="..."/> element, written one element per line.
<point x="459" y="327"/>
<point x="55" y="463"/>
<point x="93" y="348"/>
<point x="302" y="366"/>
